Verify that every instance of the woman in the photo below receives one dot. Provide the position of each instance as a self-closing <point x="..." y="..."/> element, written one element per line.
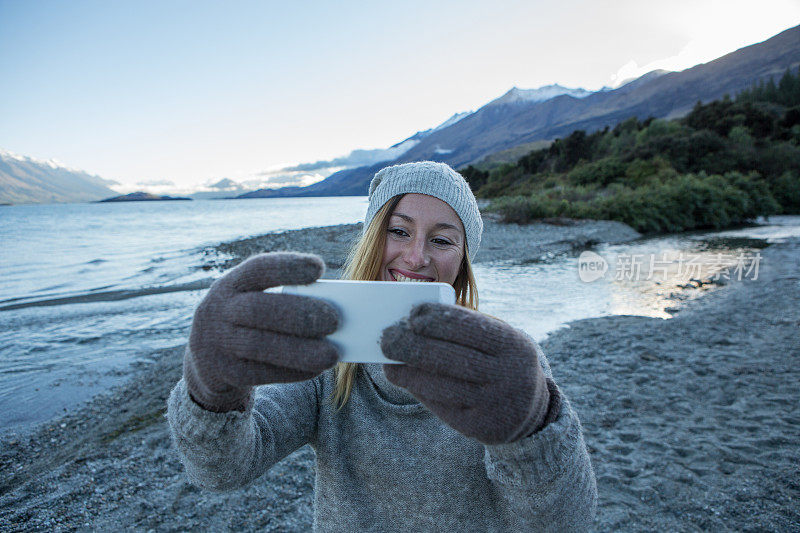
<point x="470" y="433"/>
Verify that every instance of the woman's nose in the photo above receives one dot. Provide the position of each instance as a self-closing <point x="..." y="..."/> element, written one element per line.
<point x="415" y="254"/>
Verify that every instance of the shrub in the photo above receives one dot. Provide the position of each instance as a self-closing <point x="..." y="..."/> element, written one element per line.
<point x="786" y="190"/>
<point x="682" y="203"/>
<point x="475" y="177"/>
<point x="601" y="172"/>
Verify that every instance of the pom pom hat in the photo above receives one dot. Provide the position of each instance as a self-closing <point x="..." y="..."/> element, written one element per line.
<point x="434" y="179"/>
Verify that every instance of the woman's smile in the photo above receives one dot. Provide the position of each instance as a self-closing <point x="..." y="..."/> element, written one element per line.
<point x="405" y="275"/>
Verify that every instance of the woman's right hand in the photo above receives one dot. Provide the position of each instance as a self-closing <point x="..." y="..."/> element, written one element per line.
<point x="242" y="336"/>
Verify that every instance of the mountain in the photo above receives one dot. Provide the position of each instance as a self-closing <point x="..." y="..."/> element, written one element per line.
<point x="513" y="119"/>
<point x="27" y="180"/>
<point x="224" y="184"/>
<point x="223" y="188"/>
<point x="141" y="196"/>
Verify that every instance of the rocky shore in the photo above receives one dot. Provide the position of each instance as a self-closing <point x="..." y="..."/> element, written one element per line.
<point x="692" y="422"/>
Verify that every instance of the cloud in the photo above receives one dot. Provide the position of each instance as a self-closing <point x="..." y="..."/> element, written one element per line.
<point x="304" y="174"/>
<point x="694" y="53"/>
<point x="156" y="183"/>
<point x="753" y="24"/>
<point x="629" y="70"/>
<point x="356" y="158"/>
<point x="276" y="179"/>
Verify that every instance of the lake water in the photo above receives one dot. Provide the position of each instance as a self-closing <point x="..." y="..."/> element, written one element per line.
<point x="56" y="348"/>
<point x="89" y="289"/>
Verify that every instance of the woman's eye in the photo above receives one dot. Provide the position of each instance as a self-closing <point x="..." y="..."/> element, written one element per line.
<point x="398" y="231"/>
<point x="441" y="241"/>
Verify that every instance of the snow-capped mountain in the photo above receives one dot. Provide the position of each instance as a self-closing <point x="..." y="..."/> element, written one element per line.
<point x="547" y="92"/>
<point x="450" y="121"/>
<point x="26" y="179"/>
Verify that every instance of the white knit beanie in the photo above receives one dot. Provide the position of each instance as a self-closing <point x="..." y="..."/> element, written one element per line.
<point x="434" y="179"/>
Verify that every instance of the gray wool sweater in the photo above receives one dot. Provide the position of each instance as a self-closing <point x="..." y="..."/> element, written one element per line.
<point x="386" y="463"/>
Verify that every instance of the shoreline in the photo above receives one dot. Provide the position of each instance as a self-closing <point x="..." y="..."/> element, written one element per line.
<point x="689" y="422"/>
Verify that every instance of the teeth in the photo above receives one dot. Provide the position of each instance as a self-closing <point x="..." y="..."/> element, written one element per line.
<point x="399" y="277"/>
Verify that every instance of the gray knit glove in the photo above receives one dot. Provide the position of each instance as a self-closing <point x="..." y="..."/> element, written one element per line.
<point x="478" y="374"/>
<point x="242" y="337"/>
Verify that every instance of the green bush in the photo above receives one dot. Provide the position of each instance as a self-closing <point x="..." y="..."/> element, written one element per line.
<point x="475" y="177"/>
<point x="786" y="190"/>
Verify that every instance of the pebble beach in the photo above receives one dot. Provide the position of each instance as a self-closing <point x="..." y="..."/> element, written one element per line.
<point x="692" y="423"/>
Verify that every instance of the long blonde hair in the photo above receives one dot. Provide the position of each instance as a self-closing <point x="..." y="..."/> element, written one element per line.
<point x="364" y="263"/>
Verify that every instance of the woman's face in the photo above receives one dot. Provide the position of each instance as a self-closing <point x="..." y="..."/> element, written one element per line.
<point x="424" y="241"/>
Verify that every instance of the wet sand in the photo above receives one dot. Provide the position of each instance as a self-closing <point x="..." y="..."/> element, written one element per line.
<point x="692" y="423"/>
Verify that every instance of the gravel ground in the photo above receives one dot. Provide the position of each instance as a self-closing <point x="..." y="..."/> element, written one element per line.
<point x="692" y="422"/>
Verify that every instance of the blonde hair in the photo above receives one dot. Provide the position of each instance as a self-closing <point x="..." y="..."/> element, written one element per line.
<point x="364" y="263"/>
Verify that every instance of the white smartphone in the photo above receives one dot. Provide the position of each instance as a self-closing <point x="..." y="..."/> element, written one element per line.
<point x="366" y="308"/>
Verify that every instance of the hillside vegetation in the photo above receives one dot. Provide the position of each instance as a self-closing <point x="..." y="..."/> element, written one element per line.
<point x="725" y="163"/>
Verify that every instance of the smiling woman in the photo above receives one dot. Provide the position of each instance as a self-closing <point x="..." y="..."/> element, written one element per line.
<point x="470" y="432"/>
<point x="425" y="241"/>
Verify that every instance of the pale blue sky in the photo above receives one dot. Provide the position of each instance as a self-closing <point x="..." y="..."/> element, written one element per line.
<point x="140" y="91"/>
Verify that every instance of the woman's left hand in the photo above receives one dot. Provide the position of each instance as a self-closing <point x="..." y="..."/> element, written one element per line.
<point x="478" y="374"/>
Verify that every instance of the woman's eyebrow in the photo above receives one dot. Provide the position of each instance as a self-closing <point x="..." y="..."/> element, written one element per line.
<point x="410" y="220"/>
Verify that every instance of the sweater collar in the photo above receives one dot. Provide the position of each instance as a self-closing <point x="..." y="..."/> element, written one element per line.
<point x="388" y="390"/>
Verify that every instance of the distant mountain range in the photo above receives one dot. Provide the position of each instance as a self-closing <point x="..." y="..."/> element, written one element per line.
<point x="142" y="197"/>
<point x="523" y="116"/>
<point x="28" y="180"/>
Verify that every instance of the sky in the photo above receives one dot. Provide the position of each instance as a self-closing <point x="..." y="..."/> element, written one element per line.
<point x="170" y="95"/>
